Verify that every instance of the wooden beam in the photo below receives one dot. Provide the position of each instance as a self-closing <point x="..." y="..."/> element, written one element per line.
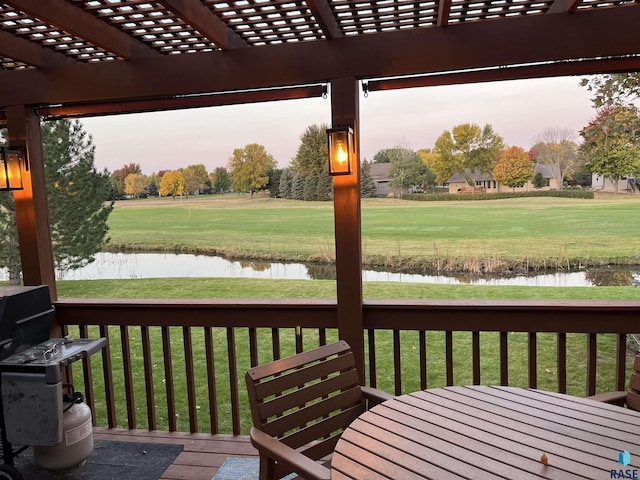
<point x="22" y="50"/>
<point x="194" y="13"/>
<point x="71" y="19"/>
<point x="444" y="9"/>
<point x="417" y="51"/>
<point x="325" y="18"/>
<point x="346" y="207"/>
<point x="614" y="65"/>
<point x="564" y="6"/>
<point x="32" y="212"/>
<point x="176" y="103"/>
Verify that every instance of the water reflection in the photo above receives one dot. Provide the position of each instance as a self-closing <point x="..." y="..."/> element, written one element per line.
<point x="163" y="265"/>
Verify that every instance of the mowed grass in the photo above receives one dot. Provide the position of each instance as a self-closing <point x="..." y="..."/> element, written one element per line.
<point x="540" y="231"/>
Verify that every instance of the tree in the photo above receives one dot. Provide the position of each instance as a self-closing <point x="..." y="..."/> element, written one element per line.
<point x="555" y="147"/>
<point x="297" y="187"/>
<point x="538" y="180"/>
<point x="286" y="182"/>
<point x="615" y="88"/>
<point x="514" y="168"/>
<point x="325" y="187"/>
<point x="408" y="170"/>
<point x="469" y="150"/>
<point x="172" y="183"/>
<point x="441" y="169"/>
<point x="611" y="144"/>
<point x="221" y="180"/>
<point x="118" y="179"/>
<point x="77" y="196"/>
<point x="312" y="154"/>
<point x="136" y="184"/>
<point x="249" y="167"/>
<point x="367" y="183"/>
<point x="382" y="156"/>
<point x="195" y="178"/>
<point x="273" y="185"/>
<point x="310" y="188"/>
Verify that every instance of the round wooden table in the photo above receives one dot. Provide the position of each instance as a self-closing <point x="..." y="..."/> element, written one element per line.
<point x="488" y="433"/>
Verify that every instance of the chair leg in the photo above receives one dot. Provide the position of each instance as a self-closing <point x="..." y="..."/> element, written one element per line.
<point x="267" y="468"/>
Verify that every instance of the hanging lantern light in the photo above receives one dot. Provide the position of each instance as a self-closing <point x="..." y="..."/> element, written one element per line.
<point x="340" y="150"/>
<point x="10" y="169"/>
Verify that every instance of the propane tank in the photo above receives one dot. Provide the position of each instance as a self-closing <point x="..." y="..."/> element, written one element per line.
<point x="77" y="441"/>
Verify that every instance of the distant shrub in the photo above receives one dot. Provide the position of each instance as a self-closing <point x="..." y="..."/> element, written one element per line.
<point x="426" y="197"/>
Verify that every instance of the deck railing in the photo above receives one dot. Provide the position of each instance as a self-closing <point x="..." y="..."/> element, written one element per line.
<point x="179" y="364"/>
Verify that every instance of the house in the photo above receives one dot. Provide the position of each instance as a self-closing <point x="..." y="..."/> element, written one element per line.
<point x="626" y="184"/>
<point x="486" y="183"/>
<point x="381" y="174"/>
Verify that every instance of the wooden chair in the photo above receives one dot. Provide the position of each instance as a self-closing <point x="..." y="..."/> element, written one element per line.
<point x="629" y="398"/>
<point x="300" y="406"/>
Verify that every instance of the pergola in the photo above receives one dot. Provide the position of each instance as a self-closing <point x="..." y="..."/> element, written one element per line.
<point x="73" y="58"/>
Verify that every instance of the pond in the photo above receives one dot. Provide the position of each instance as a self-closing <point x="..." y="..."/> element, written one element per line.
<point x="163" y="265"/>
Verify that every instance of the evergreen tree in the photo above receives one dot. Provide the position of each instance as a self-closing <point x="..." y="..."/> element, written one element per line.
<point x="286" y="180"/>
<point x="310" y="188"/>
<point x="325" y="187"/>
<point x="538" y="180"/>
<point x="367" y="184"/>
<point x="297" y="187"/>
<point x="312" y="154"/>
<point x="152" y="189"/>
<point x="77" y="194"/>
<point x="273" y="185"/>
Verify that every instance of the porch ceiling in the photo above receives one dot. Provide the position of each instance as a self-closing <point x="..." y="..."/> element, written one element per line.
<point x="88" y="51"/>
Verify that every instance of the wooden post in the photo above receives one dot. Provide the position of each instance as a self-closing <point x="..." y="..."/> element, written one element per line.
<point x="32" y="212"/>
<point x="346" y="205"/>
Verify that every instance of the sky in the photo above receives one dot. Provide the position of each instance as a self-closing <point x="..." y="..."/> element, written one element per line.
<point x="414" y="118"/>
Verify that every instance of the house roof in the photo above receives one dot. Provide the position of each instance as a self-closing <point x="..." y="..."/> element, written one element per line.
<point x="159" y="54"/>
<point x="380" y="171"/>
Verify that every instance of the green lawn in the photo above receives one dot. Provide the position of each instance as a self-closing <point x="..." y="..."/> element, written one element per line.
<point x="533" y="231"/>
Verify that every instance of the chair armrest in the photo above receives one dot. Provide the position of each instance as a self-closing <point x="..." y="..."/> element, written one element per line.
<point x="375" y="396"/>
<point x="282" y="453"/>
<point x="614" y="398"/>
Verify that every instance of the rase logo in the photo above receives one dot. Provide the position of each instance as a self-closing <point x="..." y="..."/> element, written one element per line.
<point x="624" y="459"/>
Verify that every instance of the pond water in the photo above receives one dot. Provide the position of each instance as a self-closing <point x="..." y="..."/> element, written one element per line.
<point x="163" y="265"/>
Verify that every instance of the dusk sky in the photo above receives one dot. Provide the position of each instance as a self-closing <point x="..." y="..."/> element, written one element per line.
<point x="413" y="118"/>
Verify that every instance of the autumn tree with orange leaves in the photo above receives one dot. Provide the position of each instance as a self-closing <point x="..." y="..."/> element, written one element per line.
<point x="514" y="168"/>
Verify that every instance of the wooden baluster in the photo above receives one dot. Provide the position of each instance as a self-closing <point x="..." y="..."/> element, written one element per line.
<point x="107" y="370"/>
<point x="448" y="340"/>
<point x="397" y="367"/>
<point x="475" y="357"/>
<point x="128" y="377"/>
<point x="371" y="336"/>
<point x="168" y="379"/>
<point x="211" y="380"/>
<point x="233" y="380"/>
<point x="504" y="358"/>
<point x="148" y="377"/>
<point x="592" y="354"/>
<point x="561" y="363"/>
<point x="191" y="381"/>
<point x="422" y="339"/>
<point x="533" y="360"/>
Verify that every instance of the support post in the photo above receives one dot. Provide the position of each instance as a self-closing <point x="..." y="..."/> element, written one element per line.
<point x="32" y="212"/>
<point x="346" y="206"/>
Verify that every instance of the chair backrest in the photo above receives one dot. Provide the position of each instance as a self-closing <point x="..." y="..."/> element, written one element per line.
<point x="307" y="400"/>
<point x="633" y="395"/>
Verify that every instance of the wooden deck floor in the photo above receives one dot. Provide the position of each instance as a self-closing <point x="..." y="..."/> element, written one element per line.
<point x="202" y="455"/>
